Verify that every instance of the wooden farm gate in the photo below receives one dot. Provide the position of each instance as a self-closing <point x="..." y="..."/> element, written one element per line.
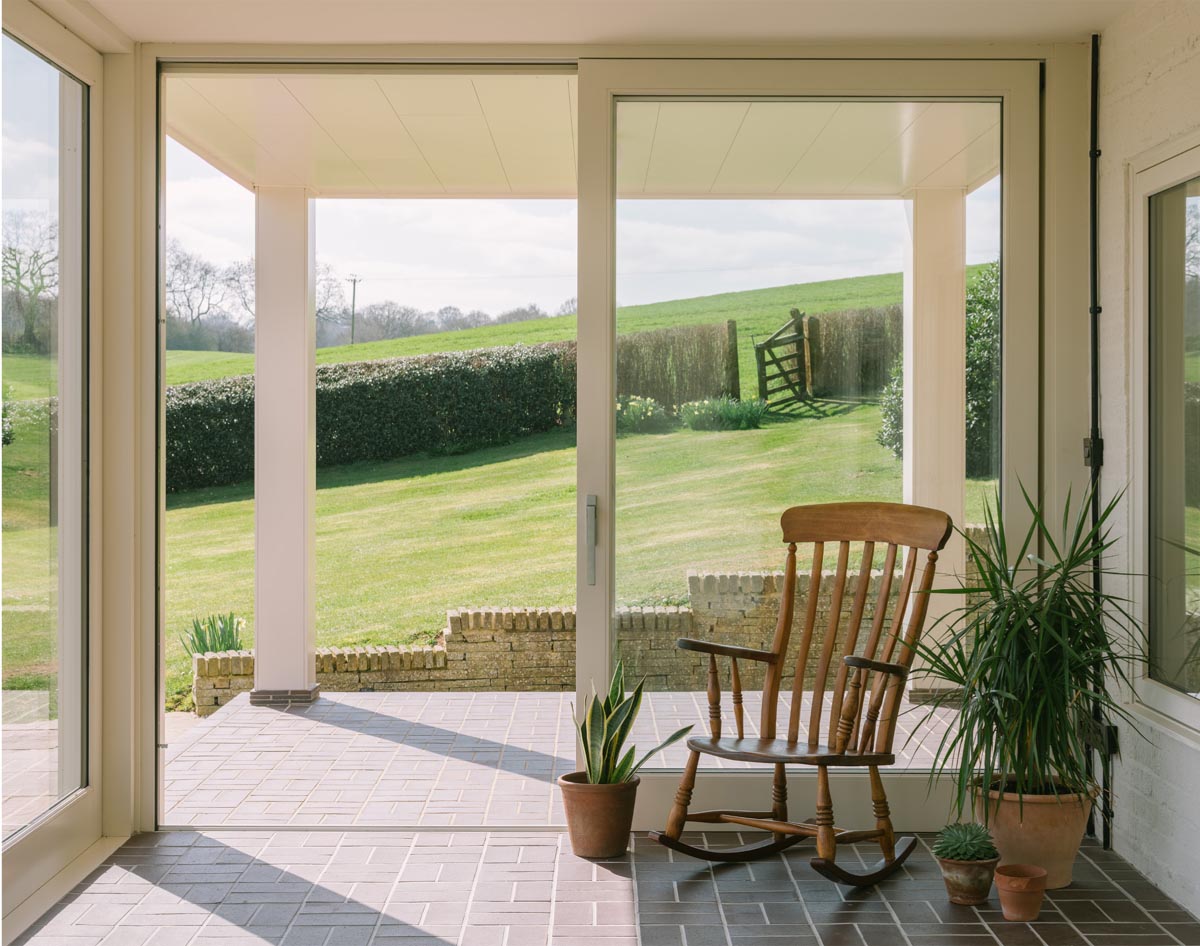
<point x="785" y="361"/>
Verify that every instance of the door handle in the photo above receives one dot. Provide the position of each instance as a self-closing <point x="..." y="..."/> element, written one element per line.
<point x="590" y="539"/>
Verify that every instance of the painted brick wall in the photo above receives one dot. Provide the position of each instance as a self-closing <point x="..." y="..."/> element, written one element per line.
<point x="1149" y="95"/>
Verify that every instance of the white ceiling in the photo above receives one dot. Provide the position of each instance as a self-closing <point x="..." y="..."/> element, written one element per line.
<point x="497" y="135"/>
<point x="590" y="21"/>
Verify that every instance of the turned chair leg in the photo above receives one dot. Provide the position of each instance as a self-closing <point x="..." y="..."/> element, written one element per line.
<point x="883" y="815"/>
<point x="779" y="806"/>
<point x="826" y="839"/>
<point x="683" y="797"/>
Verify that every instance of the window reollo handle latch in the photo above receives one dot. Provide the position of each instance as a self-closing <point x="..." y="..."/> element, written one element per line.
<point x="590" y="539"/>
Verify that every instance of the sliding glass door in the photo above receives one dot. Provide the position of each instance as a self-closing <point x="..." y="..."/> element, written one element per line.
<point x="796" y="283"/>
<point x="44" y="437"/>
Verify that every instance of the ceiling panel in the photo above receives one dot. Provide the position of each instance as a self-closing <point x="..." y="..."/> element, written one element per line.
<point x="345" y="105"/>
<point x="690" y="144"/>
<point x="853" y="138"/>
<point x="772" y="140"/>
<point x="636" y="127"/>
<point x="909" y="159"/>
<point x="496" y="135"/>
<point x="530" y="121"/>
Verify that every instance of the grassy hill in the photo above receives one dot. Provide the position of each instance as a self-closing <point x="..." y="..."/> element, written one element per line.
<point x="758" y="312"/>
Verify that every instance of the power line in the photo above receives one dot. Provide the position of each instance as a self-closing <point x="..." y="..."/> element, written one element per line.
<point x="354" y="281"/>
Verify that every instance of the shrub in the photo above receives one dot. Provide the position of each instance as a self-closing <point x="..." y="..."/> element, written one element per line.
<point x="891" y="412"/>
<point x="723" y="413"/>
<point x="379" y="410"/>
<point x="675" y="365"/>
<point x="642" y="415"/>
<point x="215" y="634"/>
<point x="982" y="381"/>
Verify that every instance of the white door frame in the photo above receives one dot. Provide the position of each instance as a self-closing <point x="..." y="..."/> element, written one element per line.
<point x="38" y="859"/>
<point x="1015" y="84"/>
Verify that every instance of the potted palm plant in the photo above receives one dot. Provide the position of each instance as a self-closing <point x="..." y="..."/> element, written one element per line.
<point x="968" y="858"/>
<point x="1029" y="659"/>
<point x="599" y="800"/>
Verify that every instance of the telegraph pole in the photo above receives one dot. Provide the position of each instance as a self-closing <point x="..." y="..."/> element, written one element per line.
<point x="354" y="281"/>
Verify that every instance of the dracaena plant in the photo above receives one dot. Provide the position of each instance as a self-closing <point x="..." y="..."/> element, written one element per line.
<point x="604" y="728"/>
<point x="1032" y="657"/>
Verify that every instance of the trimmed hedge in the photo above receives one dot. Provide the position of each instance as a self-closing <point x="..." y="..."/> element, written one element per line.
<point x="379" y="410"/>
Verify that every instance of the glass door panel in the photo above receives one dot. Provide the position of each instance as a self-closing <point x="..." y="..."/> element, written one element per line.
<point x="44" y="437"/>
<point x="770" y="256"/>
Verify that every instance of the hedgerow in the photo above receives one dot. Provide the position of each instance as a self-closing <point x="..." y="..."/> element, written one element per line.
<point x="379" y="410"/>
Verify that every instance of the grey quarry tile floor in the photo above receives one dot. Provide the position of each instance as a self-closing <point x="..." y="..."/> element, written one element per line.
<point x="418" y="759"/>
<point x="381" y="888"/>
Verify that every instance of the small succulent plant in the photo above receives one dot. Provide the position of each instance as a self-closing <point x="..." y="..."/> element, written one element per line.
<point x="965" y="842"/>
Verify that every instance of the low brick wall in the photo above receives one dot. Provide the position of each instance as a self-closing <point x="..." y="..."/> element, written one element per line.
<point x="487" y="649"/>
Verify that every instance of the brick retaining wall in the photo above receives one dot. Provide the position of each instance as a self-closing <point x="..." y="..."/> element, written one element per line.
<point x="484" y="649"/>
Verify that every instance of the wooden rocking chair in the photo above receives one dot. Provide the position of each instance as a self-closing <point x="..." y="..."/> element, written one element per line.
<point x="868" y="683"/>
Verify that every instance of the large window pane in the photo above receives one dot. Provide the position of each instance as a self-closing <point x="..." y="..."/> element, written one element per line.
<point x="44" y="435"/>
<point x="1175" y="437"/>
<point x="775" y="260"/>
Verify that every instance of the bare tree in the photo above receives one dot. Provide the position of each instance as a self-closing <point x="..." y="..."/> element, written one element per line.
<point x="196" y="288"/>
<point x="30" y="270"/>
<point x="331" y="297"/>
<point x="568" y="307"/>
<point x="239" y="283"/>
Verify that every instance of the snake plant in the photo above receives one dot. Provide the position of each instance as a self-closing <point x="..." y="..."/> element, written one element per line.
<point x="605" y="727"/>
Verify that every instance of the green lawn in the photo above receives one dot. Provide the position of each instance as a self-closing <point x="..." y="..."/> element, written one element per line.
<point x="400" y="542"/>
<point x="1191" y="366"/>
<point x="758" y="312"/>
<point x="26" y="377"/>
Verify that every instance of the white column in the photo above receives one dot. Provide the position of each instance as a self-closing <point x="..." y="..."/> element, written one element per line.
<point x="935" y="457"/>
<point x="285" y="482"/>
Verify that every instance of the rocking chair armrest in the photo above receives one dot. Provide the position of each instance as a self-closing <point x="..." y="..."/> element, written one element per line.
<point x="862" y="663"/>
<point x="726" y="650"/>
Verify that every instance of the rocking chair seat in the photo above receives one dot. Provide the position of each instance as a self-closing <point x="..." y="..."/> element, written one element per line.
<point x="752" y="749"/>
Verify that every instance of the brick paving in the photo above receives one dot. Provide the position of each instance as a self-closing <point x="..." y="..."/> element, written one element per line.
<point x="415" y="759"/>
<point x="380" y="888"/>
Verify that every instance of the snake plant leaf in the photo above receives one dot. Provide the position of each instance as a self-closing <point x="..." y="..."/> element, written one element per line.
<point x="616" y="690"/>
<point x="594" y="739"/>
<point x="624" y="770"/>
<point x="670" y="740"/>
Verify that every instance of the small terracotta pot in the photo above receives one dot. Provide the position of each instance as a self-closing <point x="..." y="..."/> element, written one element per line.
<point x="599" y="817"/>
<point x="1038" y="829"/>
<point x="1021" y="888"/>
<point x="968" y="882"/>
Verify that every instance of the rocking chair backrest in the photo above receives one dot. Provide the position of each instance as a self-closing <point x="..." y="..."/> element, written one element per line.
<point x="864" y="704"/>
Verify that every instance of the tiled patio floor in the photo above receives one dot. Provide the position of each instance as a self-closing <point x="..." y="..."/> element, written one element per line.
<point x="478" y="889"/>
<point x="414" y="758"/>
<point x="30" y="757"/>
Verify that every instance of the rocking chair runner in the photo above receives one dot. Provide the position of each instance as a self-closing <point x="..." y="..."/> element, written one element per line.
<point x="868" y="684"/>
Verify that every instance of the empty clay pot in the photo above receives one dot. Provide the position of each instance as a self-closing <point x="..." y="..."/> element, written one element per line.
<point x="968" y="882"/>
<point x="599" y="817"/>
<point x="1037" y="829"/>
<point x="1021" y="888"/>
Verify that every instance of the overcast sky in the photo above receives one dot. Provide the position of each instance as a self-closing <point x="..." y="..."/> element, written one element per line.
<point x="497" y="254"/>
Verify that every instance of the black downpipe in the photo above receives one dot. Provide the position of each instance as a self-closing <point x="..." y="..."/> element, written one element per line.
<point x="1095" y="445"/>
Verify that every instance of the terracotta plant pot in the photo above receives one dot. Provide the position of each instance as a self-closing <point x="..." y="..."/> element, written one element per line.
<point x="968" y="882"/>
<point x="599" y="817"/>
<point x="1021" y="888"/>
<point x="1044" y="830"/>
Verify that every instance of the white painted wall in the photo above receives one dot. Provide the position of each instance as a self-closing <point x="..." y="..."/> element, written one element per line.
<point x="1149" y="95"/>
